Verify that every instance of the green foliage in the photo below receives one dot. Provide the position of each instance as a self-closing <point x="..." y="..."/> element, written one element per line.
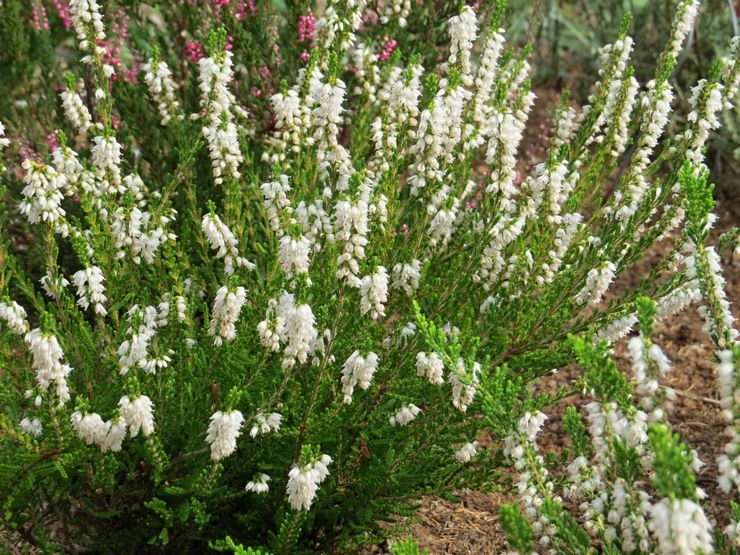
<point x="673" y="462"/>
<point x="208" y="321"/>
<point x="602" y="377"/>
<point x="408" y="546"/>
<point x="519" y="535"/>
<point x="576" y="430"/>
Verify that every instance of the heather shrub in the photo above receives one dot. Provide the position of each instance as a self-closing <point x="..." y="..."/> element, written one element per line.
<point x="263" y="297"/>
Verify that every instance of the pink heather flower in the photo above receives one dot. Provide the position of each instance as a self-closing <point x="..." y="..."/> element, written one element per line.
<point x="62" y="7"/>
<point x="132" y="74"/>
<point x="306" y="27"/>
<point x="305" y="56"/>
<point x="194" y="50"/>
<point x="388" y="47"/>
<point x="51" y="138"/>
<point x="27" y="152"/>
<point x="39" y="19"/>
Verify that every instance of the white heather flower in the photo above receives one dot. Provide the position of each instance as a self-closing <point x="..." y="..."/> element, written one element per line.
<point x="682" y="26"/>
<point x="431" y="367"/>
<point x="222" y="240"/>
<point x="47" y="362"/>
<point x="406" y="276"/>
<point x="597" y="282"/>
<point x="32" y="426"/>
<point x="303" y="482"/>
<point x="720" y="320"/>
<point x="677" y="300"/>
<point x="265" y="424"/>
<point x="53" y="286"/>
<point x="219" y="130"/>
<point x="486" y="75"/>
<point x="680" y="527"/>
<point x="113" y="440"/>
<point x="463" y="392"/>
<point x="702" y="117"/>
<point x="42" y="193"/>
<point x="294" y="255"/>
<point x="374" y="292"/>
<point x="182" y="308"/>
<point x="258" y="484"/>
<point x="504" y="232"/>
<point x="90" y="427"/>
<point x="138" y="414"/>
<point x="406" y="414"/>
<point x="90" y="289"/>
<point x="225" y="313"/>
<point x="135" y="233"/>
<point x="276" y="201"/>
<point x="158" y="78"/>
<point x="14" y="316"/>
<point x="106" y="157"/>
<point x="223" y="431"/>
<point x="729" y="462"/>
<point x="407" y="331"/>
<point x="351" y="224"/>
<point x="134" y="350"/>
<point x="326" y="114"/>
<point x="463" y="30"/>
<point x="358" y="370"/>
<point x="466" y="453"/>
<point x="300" y="330"/>
<point x="4" y="141"/>
<point x="272" y="331"/>
<point x="86" y="13"/>
<point x="75" y="111"/>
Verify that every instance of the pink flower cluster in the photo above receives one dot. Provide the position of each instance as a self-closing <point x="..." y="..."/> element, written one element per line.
<point x="306" y="27"/>
<point x="237" y="9"/>
<point x="39" y="19"/>
<point x="306" y="33"/>
<point x="194" y="50"/>
<point x="62" y="7"/>
<point x="389" y="45"/>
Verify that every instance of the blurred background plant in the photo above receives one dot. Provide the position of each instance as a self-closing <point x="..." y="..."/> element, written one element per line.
<point x="565" y="35"/>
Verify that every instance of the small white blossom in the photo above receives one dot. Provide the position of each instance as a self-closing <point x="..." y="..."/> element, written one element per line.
<point x="222" y="240"/>
<point x="680" y="527"/>
<point x="90" y="289"/>
<point x="303" y="482"/>
<point x="226" y="308"/>
<point x="406" y="414"/>
<point x="223" y="431"/>
<point x="358" y="370"/>
<point x="431" y="367"/>
<point x="75" y="110"/>
<point x="42" y="193"/>
<point x="294" y="255"/>
<point x="258" y="484"/>
<point x="265" y="424"/>
<point x="466" y="453"/>
<point x="374" y="293"/>
<point x="32" y="426"/>
<point x="138" y="414"/>
<point x="158" y="78"/>
<point x="14" y="316"/>
<point x="597" y="282"/>
<point x="406" y="277"/>
<point x="47" y="362"/>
